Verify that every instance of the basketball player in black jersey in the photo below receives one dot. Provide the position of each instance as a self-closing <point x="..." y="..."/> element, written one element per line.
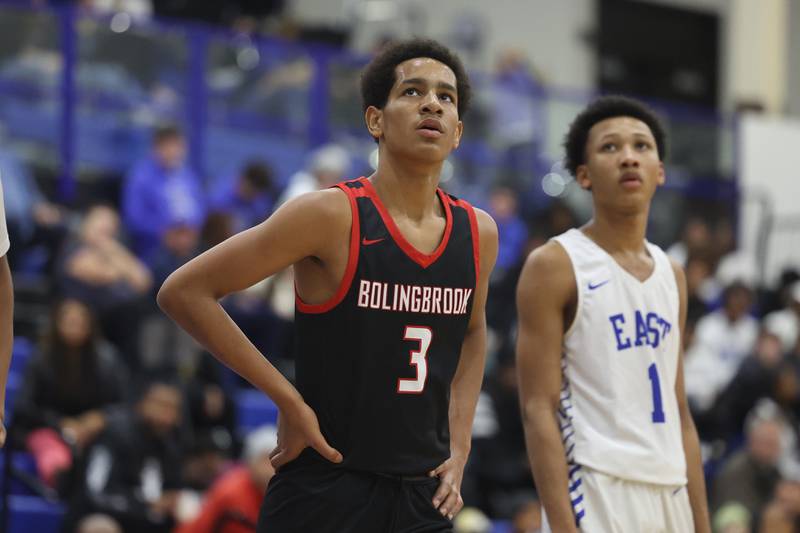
<point x="391" y="277"/>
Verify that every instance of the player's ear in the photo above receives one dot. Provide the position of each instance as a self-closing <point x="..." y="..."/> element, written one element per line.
<point x="662" y="178"/>
<point x="582" y="177"/>
<point x="459" y="131"/>
<point x="374" y="119"/>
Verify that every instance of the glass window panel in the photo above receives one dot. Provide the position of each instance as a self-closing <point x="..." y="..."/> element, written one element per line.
<point x="30" y="82"/>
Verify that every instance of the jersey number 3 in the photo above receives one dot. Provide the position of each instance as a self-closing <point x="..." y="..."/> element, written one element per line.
<point x="424" y="336"/>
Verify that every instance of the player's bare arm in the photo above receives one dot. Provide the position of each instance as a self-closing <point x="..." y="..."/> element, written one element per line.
<point x="312" y="232"/>
<point x="468" y="378"/>
<point x="6" y="335"/>
<point x="546" y="296"/>
<point x="691" y="445"/>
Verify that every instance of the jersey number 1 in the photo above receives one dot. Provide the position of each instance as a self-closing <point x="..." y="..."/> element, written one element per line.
<point x="423" y="335"/>
<point x="655" y="383"/>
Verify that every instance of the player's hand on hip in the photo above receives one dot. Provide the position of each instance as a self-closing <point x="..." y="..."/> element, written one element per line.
<point x="297" y="430"/>
<point x="448" y="496"/>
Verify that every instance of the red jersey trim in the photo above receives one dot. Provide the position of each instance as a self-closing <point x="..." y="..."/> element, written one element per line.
<point x="423" y="260"/>
<point x="476" y="245"/>
<point x="349" y="271"/>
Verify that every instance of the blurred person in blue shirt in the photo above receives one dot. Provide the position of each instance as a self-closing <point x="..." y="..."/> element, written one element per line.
<point x="248" y="199"/>
<point x="160" y="189"/>
<point x="503" y="206"/>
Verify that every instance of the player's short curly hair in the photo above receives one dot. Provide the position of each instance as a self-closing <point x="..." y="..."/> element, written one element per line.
<point x="601" y="109"/>
<point x="378" y="76"/>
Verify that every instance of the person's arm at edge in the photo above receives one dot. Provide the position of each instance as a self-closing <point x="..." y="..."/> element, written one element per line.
<point x="190" y="295"/>
<point x="545" y="288"/>
<point x="691" y="445"/>
<point x="467" y="381"/>
<point x="6" y="336"/>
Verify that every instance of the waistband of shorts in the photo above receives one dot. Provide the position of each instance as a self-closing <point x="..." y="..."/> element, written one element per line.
<point x="310" y="457"/>
<point x="413" y="478"/>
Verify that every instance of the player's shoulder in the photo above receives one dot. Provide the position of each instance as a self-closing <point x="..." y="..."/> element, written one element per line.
<point x="548" y="269"/>
<point x="549" y="258"/>
<point x="328" y="205"/>
<point x="487" y="227"/>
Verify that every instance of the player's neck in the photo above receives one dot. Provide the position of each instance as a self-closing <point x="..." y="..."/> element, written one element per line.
<point x="617" y="232"/>
<point x="407" y="187"/>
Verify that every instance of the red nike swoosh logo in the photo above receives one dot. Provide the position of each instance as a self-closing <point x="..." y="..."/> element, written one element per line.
<point x="367" y="242"/>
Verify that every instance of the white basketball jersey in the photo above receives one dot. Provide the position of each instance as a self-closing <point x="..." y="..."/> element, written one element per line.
<point x="619" y="412"/>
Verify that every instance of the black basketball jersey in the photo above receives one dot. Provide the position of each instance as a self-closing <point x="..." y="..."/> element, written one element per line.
<point x="377" y="360"/>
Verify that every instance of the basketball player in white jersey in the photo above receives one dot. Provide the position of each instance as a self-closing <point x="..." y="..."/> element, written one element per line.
<point x="601" y="313"/>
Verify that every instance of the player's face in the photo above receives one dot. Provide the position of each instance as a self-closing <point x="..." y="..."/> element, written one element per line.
<point x="623" y="167"/>
<point x="420" y="118"/>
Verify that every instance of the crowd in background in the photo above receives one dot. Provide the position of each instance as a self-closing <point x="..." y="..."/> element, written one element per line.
<point x="114" y="385"/>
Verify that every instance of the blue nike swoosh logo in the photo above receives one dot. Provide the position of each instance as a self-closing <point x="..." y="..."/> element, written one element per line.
<point x="597" y="285"/>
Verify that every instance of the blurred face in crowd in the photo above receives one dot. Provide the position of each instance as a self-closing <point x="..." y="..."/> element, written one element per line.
<point x="160" y="408"/>
<point x="623" y="167"/>
<point x="738" y="300"/>
<point x="171" y="152"/>
<point x="697" y="271"/>
<point x="420" y="119"/>
<point x="181" y="240"/>
<point x="503" y="203"/>
<point x="769" y="350"/>
<point x="73" y="323"/>
<point x="100" y="223"/>
<point x="764" y="442"/>
<point x="697" y="234"/>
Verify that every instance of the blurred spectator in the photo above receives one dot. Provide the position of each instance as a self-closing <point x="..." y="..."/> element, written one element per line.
<point x="695" y="238"/>
<point x="98" y="267"/>
<point x="500" y="316"/>
<point x="751" y="475"/>
<point x="515" y="118"/>
<point x="698" y="268"/>
<point x="722" y="340"/>
<point x="99" y="270"/>
<point x="30" y="218"/>
<point x="213" y="425"/>
<point x="327" y="166"/>
<point x="133" y="470"/>
<point x="511" y="228"/>
<point x="160" y="190"/>
<point x="755" y="379"/>
<point x="233" y="502"/>
<point x="786" y="322"/>
<point x="69" y="386"/>
<point x="164" y="345"/>
<point x="248" y="199"/>
<point x="180" y="242"/>
<point x="499" y="460"/>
